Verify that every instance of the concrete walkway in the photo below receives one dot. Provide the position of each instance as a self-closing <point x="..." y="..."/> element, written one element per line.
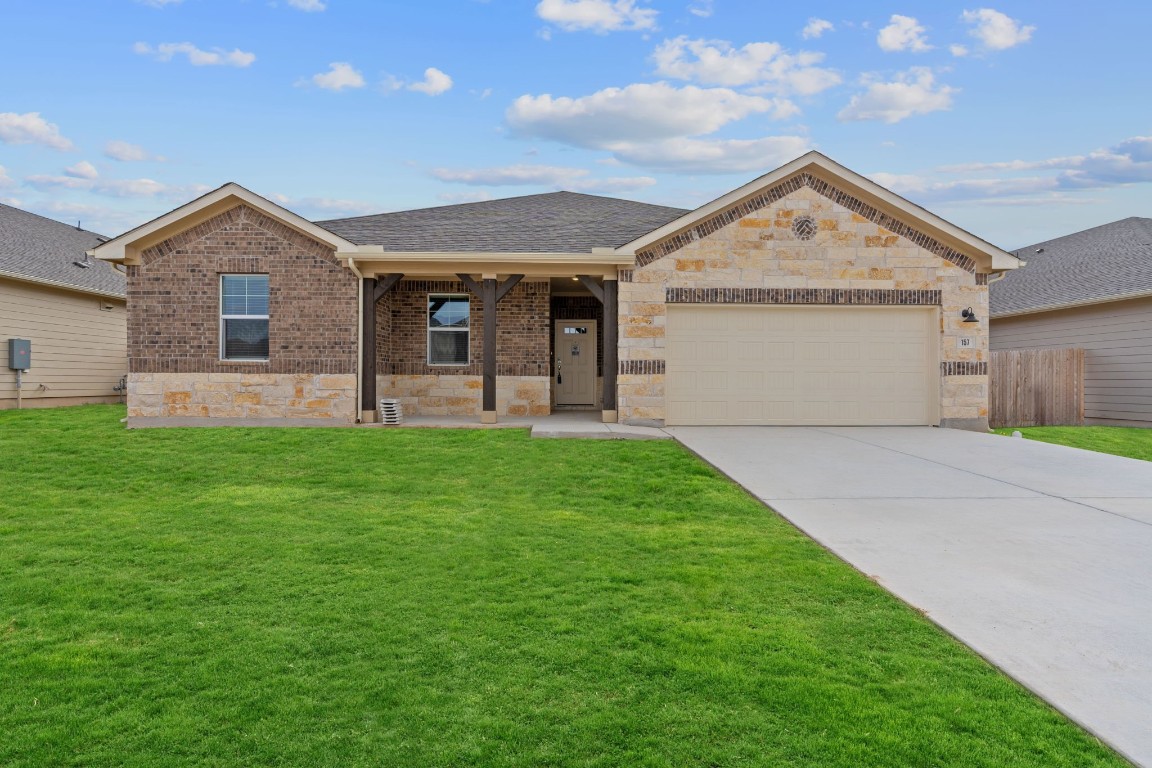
<point x="1037" y="556"/>
<point x="584" y="425"/>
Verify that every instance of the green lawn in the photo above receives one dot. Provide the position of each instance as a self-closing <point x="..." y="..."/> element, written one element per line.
<point x="1133" y="442"/>
<point x="356" y="597"/>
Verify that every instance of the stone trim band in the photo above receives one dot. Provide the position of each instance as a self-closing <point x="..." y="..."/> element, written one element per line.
<point x="472" y="369"/>
<point x="853" y="296"/>
<point x="964" y="368"/>
<point x="641" y="367"/>
<point x="785" y="188"/>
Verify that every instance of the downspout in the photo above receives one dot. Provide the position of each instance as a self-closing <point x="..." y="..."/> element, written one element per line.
<point x="359" y="331"/>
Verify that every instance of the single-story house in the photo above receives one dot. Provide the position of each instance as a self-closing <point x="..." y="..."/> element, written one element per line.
<point x="71" y="308"/>
<point x="1092" y="290"/>
<point x="809" y="296"/>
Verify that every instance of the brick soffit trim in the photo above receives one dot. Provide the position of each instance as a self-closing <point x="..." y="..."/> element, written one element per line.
<point x="658" y="368"/>
<point x="778" y="192"/>
<point x="836" y="296"/>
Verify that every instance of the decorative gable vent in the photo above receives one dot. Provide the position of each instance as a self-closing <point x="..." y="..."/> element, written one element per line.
<point x="804" y="227"/>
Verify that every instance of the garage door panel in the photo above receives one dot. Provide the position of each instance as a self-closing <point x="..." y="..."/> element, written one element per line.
<point x="738" y="364"/>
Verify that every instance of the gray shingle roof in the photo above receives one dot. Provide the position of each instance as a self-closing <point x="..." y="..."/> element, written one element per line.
<point x="566" y="222"/>
<point x="43" y="249"/>
<point x="1098" y="264"/>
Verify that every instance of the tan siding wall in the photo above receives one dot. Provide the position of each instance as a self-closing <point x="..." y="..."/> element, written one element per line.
<point x="1117" y="339"/>
<point x="79" y="351"/>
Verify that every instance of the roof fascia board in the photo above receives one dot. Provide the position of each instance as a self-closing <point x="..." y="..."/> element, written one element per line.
<point x="993" y="258"/>
<point x="127" y="247"/>
<point x="62" y="285"/>
<point x="600" y="257"/>
<point x="1073" y="305"/>
<point x="449" y="269"/>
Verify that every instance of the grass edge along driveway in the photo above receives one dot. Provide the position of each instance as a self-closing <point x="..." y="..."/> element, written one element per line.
<point x="348" y="597"/>
<point x="1131" y="442"/>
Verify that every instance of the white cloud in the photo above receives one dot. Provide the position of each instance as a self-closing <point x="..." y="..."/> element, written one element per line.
<point x="434" y="83"/>
<point x="716" y="62"/>
<point x="159" y="3"/>
<point x="327" y="207"/>
<point x="995" y="30"/>
<point x="1128" y="162"/>
<point x="340" y="75"/>
<point x="903" y="33"/>
<point x="455" y="198"/>
<point x="815" y="28"/>
<point x="197" y="57"/>
<point x="701" y="8"/>
<point x="712" y="156"/>
<point x="6" y="181"/>
<point x="914" y="92"/>
<point x="31" y="128"/>
<point x="638" y="112"/>
<point x="84" y="177"/>
<point x="957" y="50"/>
<point x="15" y="202"/>
<point x="128" y="153"/>
<point x="598" y="16"/>
<point x="556" y="177"/>
<point x="82" y="170"/>
<point x="307" y="5"/>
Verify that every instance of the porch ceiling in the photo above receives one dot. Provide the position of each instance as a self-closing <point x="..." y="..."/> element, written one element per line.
<point x="417" y="265"/>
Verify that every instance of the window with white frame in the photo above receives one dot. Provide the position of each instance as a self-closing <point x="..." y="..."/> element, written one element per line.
<point x="447" y="329"/>
<point x="244" y="317"/>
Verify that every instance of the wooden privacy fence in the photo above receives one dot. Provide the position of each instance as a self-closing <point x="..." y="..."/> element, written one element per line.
<point x="1036" y="387"/>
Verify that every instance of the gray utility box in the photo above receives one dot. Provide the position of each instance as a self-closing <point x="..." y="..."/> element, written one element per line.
<point x="19" y="354"/>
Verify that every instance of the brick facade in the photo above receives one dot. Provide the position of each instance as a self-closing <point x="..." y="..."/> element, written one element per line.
<point x="750" y="254"/>
<point x="174" y="325"/>
<point x="523" y="351"/>
<point x="174" y="296"/>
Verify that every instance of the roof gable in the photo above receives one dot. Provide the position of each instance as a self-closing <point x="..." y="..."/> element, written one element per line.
<point x="842" y="186"/>
<point x="1111" y="262"/>
<point x="42" y="250"/>
<point x="127" y="247"/>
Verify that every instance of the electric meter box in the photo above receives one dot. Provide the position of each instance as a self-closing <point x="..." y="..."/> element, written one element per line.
<point x="19" y="354"/>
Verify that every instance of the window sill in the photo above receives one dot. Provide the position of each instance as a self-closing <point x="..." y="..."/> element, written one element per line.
<point x="244" y="362"/>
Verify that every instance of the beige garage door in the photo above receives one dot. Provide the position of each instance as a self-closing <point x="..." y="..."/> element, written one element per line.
<point x="739" y="364"/>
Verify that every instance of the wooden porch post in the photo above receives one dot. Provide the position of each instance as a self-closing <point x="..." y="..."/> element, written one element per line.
<point x="611" y="348"/>
<point x="490" y="292"/>
<point x="368" y="352"/>
<point x="488" y="299"/>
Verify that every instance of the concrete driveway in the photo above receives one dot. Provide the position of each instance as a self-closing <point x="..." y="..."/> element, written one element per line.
<point x="1037" y="556"/>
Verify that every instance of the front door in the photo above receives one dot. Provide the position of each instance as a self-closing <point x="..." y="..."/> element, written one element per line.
<point x="575" y="373"/>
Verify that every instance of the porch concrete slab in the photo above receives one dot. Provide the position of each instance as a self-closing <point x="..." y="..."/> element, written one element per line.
<point x="1037" y="556"/>
<point x="597" y="431"/>
<point x="777" y="462"/>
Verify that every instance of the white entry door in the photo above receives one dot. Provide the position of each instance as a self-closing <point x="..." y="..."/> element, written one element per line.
<point x="802" y="365"/>
<point x="575" y="375"/>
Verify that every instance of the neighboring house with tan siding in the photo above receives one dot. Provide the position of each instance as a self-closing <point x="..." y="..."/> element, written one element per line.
<point x="72" y="308"/>
<point x="1093" y="290"/>
<point x="809" y="296"/>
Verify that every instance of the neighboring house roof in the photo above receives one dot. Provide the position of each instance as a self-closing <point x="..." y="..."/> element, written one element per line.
<point x="1105" y="263"/>
<point x="42" y="250"/>
<point x="554" y="222"/>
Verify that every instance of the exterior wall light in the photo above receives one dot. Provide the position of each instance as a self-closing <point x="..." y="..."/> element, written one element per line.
<point x="969" y="316"/>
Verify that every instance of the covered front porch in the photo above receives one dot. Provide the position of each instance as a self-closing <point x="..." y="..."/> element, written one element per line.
<point x="489" y="337"/>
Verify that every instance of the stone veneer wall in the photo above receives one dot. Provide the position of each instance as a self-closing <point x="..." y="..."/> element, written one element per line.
<point x="523" y="346"/>
<point x="750" y="255"/>
<point x="447" y="395"/>
<point x="174" y="321"/>
<point x="242" y="396"/>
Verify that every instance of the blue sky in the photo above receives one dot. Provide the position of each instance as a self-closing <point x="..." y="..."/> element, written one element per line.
<point x="1019" y="121"/>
